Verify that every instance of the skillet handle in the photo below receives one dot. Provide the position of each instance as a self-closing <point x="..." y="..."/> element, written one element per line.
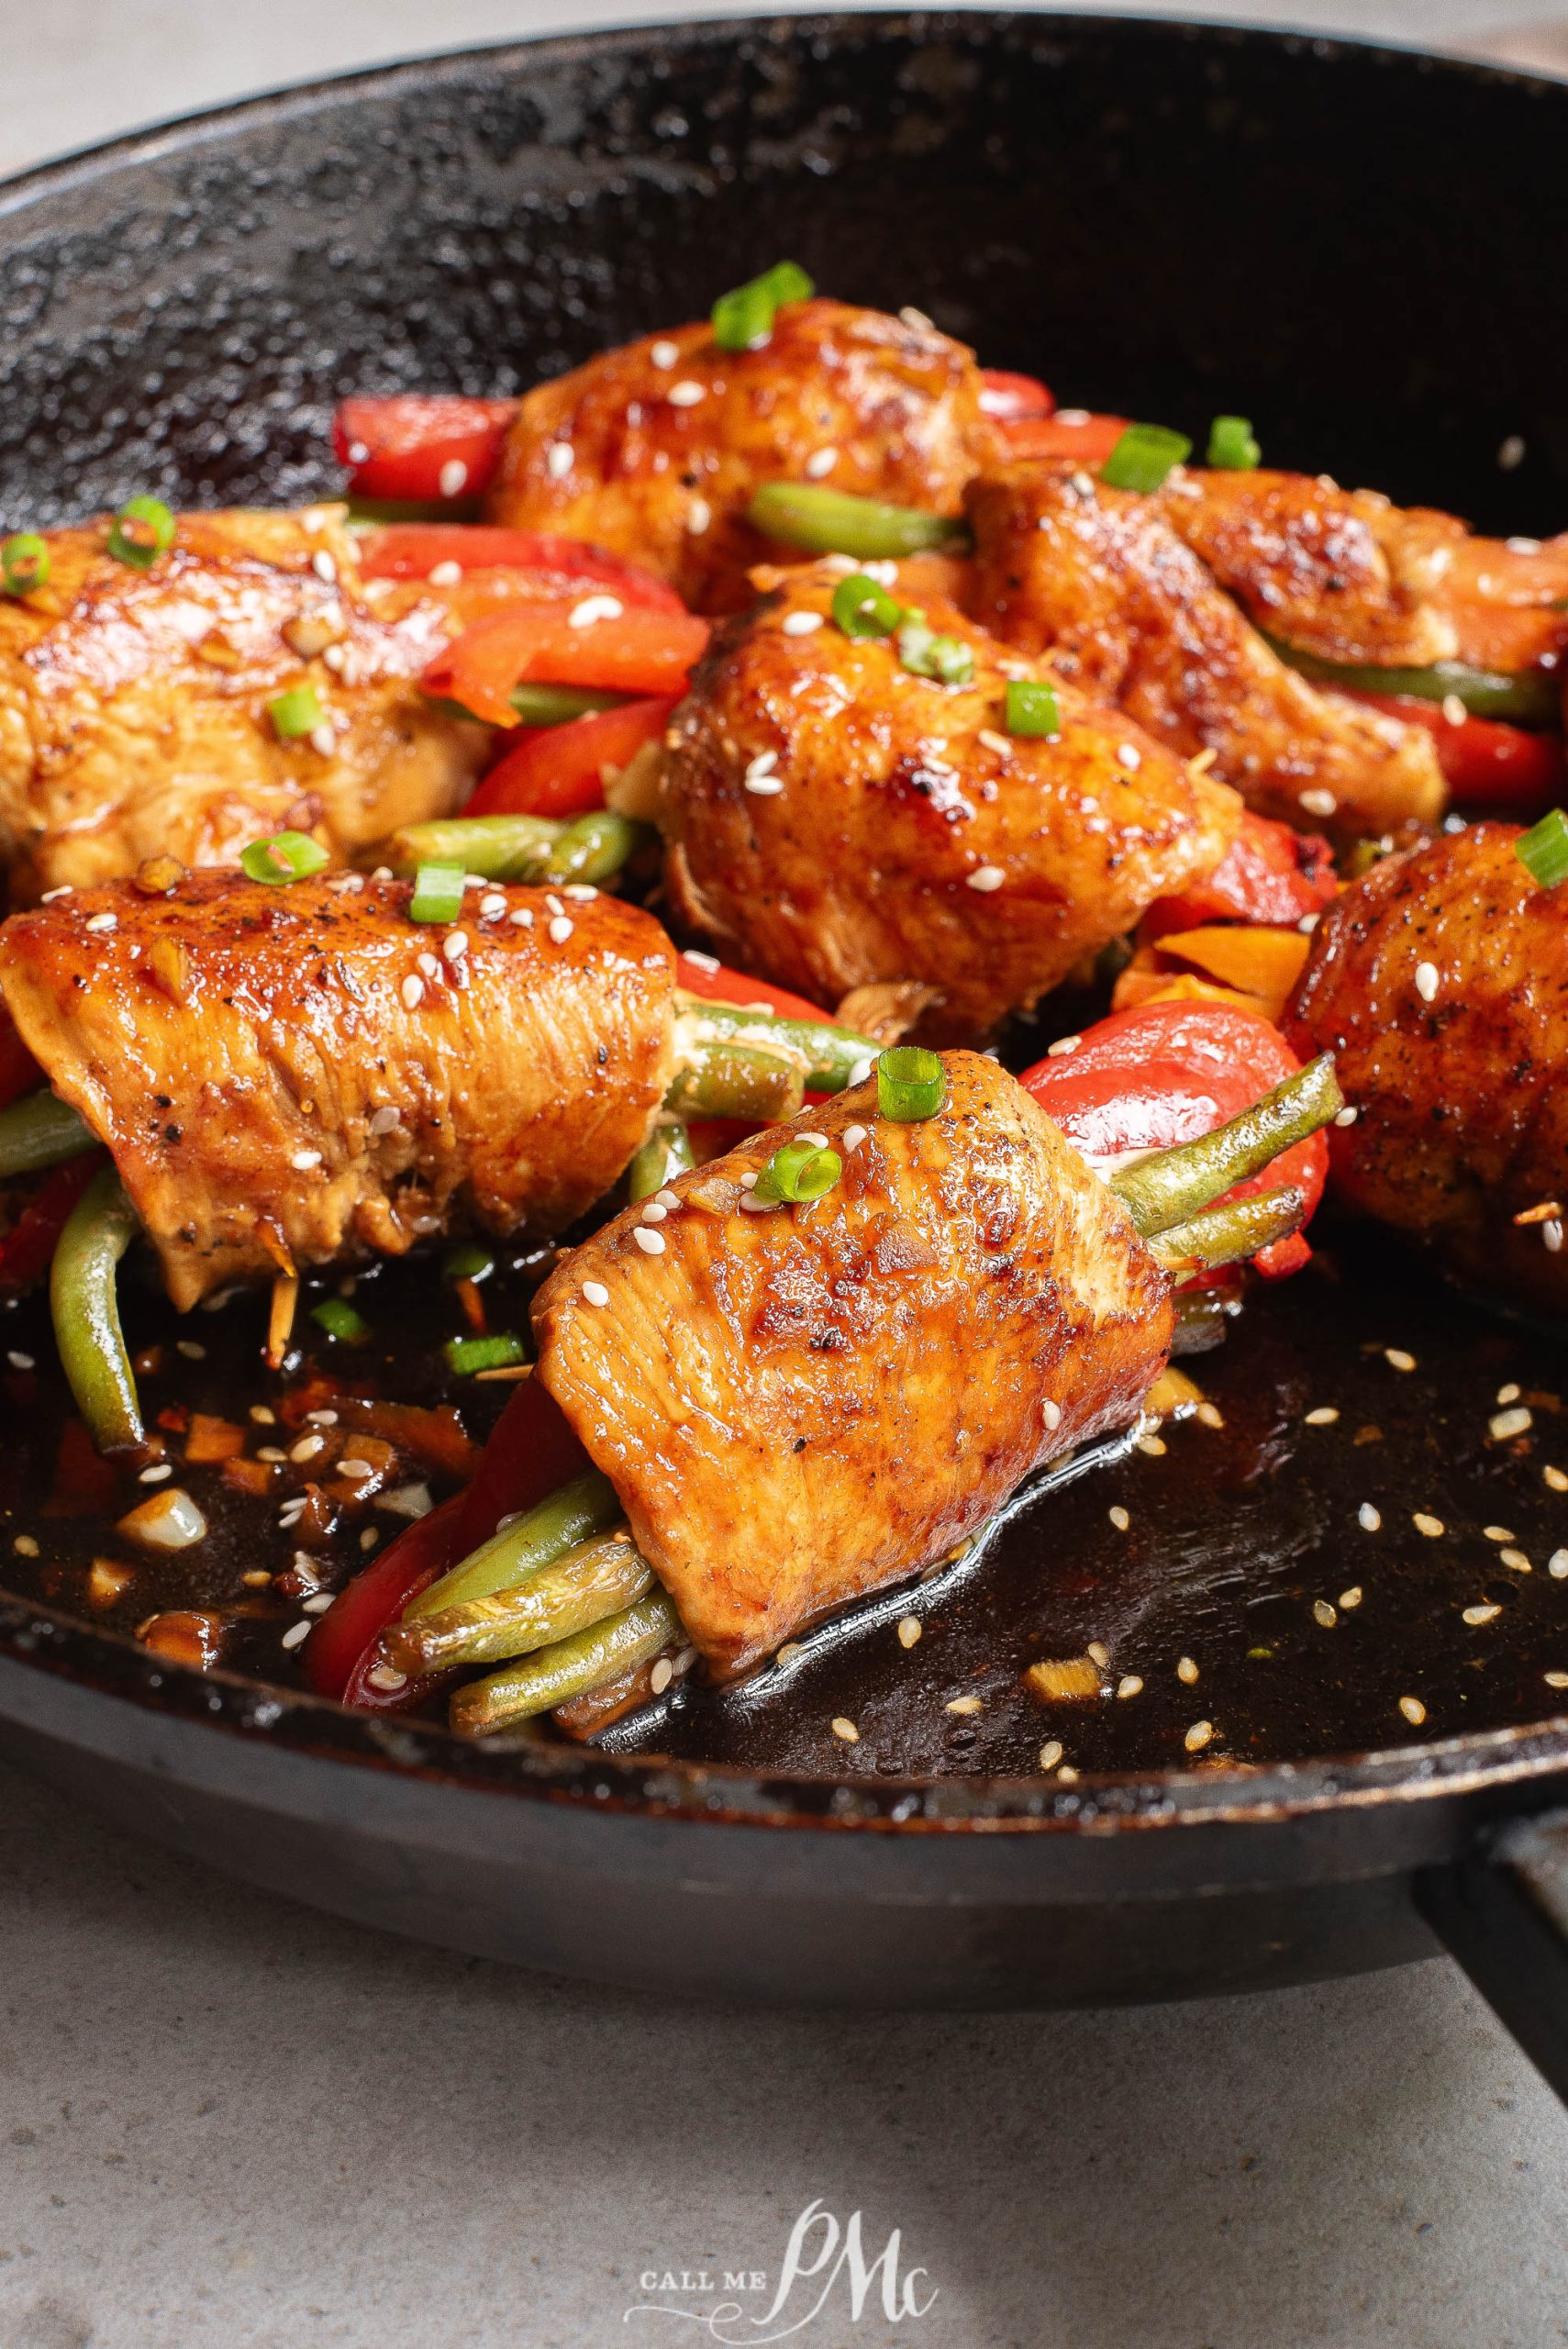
<point x="1503" y="1913"/>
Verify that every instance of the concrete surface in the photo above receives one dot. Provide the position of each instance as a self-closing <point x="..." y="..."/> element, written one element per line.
<point x="225" y="2121"/>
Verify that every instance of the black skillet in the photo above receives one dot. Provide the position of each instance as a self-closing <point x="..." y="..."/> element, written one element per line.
<point x="1365" y="251"/>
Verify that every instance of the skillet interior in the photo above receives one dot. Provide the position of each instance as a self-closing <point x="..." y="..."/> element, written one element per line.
<point x="1143" y="214"/>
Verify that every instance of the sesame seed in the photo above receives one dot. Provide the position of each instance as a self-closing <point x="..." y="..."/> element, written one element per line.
<point x="20" y="1361"/>
<point x="663" y="1671"/>
<point x="1556" y="1478"/>
<point x="297" y="1635"/>
<point x="1197" y="1737"/>
<point x="763" y="787"/>
<point x="655" y="1211"/>
<point x="1098" y="1654"/>
<point x="431" y="967"/>
<point x="664" y="354"/>
<point x="863" y="1068"/>
<point x="387" y="1120"/>
<point x="1119" y="1518"/>
<point x="1186" y="1670"/>
<point x="491" y="907"/>
<point x="1050" y="1412"/>
<point x="454" y="945"/>
<point x="1426" y="981"/>
<point x="1154" y="1445"/>
<point x="685" y="394"/>
<point x="191" y="1349"/>
<point x="1483" y="1614"/>
<point x="1067" y="1775"/>
<point x="1509" y="1393"/>
<point x="356" y="1470"/>
<point x="986" y="878"/>
<point x="322" y="1418"/>
<point x="320" y="1604"/>
<point x="446" y="574"/>
<point x="846" y="1729"/>
<point x="156" y="1475"/>
<point x="1050" y="1755"/>
<point x="413" y="991"/>
<point x="1557" y="1565"/>
<point x="66" y="889"/>
<point x="1504" y="1424"/>
<point x="523" y="918"/>
<point x="1516" y="1561"/>
<point x="452" y="479"/>
<point x="748" y="1180"/>
<point x="1397" y="1359"/>
<point x="1131" y="757"/>
<point x="263" y="1416"/>
<point x="852" y="1137"/>
<point x="991" y="741"/>
<point x="595" y="1293"/>
<point x="1318" y="803"/>
<point x="1352" y="1597"/>
<point x="304" y="1160"/>
<point x="1454" y="709"/>
<point x="964" y="1705"/>
<point x="1369" y="1519"/>
<point x="650" y="1242"/>
<point x="1511" y="454"/>
<point x="1323" y="1417"/>
<point x="1129" y="1685"/>
<point x="25" y="1546"/>
<point x="559" y="459"/>
<point x="1413" y="1710"/>
<point x="699" y="514"/>
<point x="594" y="608"/>
<point x="386" y="1677"/>
<point x="801" y="623"/>
<point x="909" y="1629"/>
<point x="1424" y="1522"/>
<point x="560" y="929"/>
<point x="103" y="921"/>
<point x="820" y="462"/>
<point x="337" y="658"/>
<point x="884" y="574"/>
<point x="1348" y="1117"/>
<point x="308" y="1447"/>
<point x="1209" y="1414"/>
<point x="667" y="1198"/>
<point x="581" y="893"/>
<point x="1323" y="1613"/>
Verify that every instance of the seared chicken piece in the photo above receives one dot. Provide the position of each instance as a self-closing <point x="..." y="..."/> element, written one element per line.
<point x="800" y="1405"/>
<point x="1440" y="983"/>
<point x="834" y="820"/>
<point x="134" y="704"/>
<point x="1351" y="577"/>
<point x="1099" y="579"/>
<point x="287" y="1075"/>
<point x="654" y="451"/>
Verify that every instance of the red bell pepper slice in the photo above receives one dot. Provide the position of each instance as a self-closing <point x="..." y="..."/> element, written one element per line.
<point x="700" y="976"/>
<point x="1484" y="761"/>
<point x="1268" y="875"/>
<point x="559" y="770"/>
<point x="402" y="447"/>
<point x="531" y="1451"/>
<point x="20" y="1072"/>
<point x="1069" y="432"/>
<point x="1166" y="1073"/>
<point x="634" y="651"/>
<point x="1007" y="397"/>
<point x="28" y="1249"/>
<point x="413" y="549"/>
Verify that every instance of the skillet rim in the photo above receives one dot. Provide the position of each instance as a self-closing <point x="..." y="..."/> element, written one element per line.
<point x="109" y="1664"/>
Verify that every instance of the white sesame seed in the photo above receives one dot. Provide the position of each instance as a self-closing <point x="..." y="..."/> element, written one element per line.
<point x="323" y="740"/>
<point x="818" y="1141"/>
<point x="699" y="514"/>
<point x="1119" y="1518"/>
<point x="1198" y="1736"/>
<point x="763" y="787"/>
<point x="25" y="1546"/>
<point x="864" y="1067"/>
<point x="1062" y="1045"/>
<point x="1348" y="1117"/>
<point x="1555" y="1679"/>
<point x="1425" y="1523"/>
<point x="1323" y="1613"/>
<point x="1483" y="1614"/>
<point x="1369" y="1519"/>
<point x="297" y="1635"/>
<point x="1413" y="1710"/>
<point x="594" y="608"/>
<point x="663" y="1671"/>
<point x="452" y="479"/>
<point x="800" y="623"/>
<point x="884" y="574"/>
<point x="559" y="459"/>
<point x="336" y="660"/>
<point x="386" y="1677"/>
<point x="103" y="921"/>
<point x="1318" y="803"/>
<point x="1308" y="924"/>
<point x="1129" y="1685"/>
<point x="664" y="354"/>
<point x="446" y="574"/>
<point x="595" y="1293"/>
<point x="685" y="394"/>
<point x="990" y="740"/>
<point x="650" y="1242"/>
<point x="191" y="1348"/>
<point x="1050" y="1412"/>
<point x="1098" y="1654"/>
<point x="320" y="1604"/>
<point x="491" y="908"/>
<point x="655" y="1211"/>
<point x="1186" y="1670"/>
<point x="560" y="929"/>
<point x="1131" y="756"/>
<point x="413" y="991"/>
<point x="1506" y="1424"/>
<point x="846" y="1729"/>
<point x="156" y="1474"/>
<point x="1323" y="1417"/>
<point x="20" y="1361"/>
<point x="581" y="893"/>
<point x="667" y="1198"/>
<point x="909" y="1629"/>
<point x="1515" y="1560"/>
<point x="820" y="462"/>
<point x="1050" y="1754"/>
<point x="1557" y="1565"/>
<point x="1210" y="1414"/>
<point x="304" y="1160"/>
<point x="454" y="945"/>
<point x="523" y="918"/>
<point x="1511" y="455"/>
<point x="322" y="1418"/>
<point x="763" y="764"/>
<point x="852" y="1137"/>
<point x="1555" y="1478"/>
<point x="1426" y="981"/>
<point x="1397" y="1359"/>
<point x="387" y="1120"/>
<point x="986" y="878"/>
<point x="356" y="1470"/>
<point x="322" y="563"/>
<point x="1453" y="710"/>
<point x="429" y="966"/>
<point x="66" y="889"/>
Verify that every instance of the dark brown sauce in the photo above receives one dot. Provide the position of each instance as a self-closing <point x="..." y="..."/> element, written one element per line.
<point x="1232" y="1536"/>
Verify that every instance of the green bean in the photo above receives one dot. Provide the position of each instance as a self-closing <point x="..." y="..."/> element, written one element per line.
<point x="666" y="1153"/>
<point x="1228" y="1235"/>
<point x="594" y="847"/>
<point x="1172" y="1185"/>
<point x="733" y="1081"/>
<point x="87" y="1331"/>
<point x="1528" y="698"/>
<point x="829" y="521"/>
<point x="830" y="1058"/>
<point x="40" y="1131"/>
<point x="554" y="704"/>
<point x="578" y="1510"/>
<point x="518" y="848"/>
<point x="571" y="1668"/>
<point x="594" y="1580"/>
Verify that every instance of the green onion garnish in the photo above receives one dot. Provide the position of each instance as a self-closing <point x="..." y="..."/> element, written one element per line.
<point x="297" y="712"/>
<point x="341" y="1320"/>
<point x="1032" y="710"/>
<point x="24" y="563"/>
<point x="1543" y="850"/>
<point x="833" y="521"/>
<point x="926" y="654"/>
<point x="287" y="856"/>
<point x="911" y="1083"/>
<point x="799" y="1170"/>
<point x="743" y="320"/>
<point x="140" y="532"/>
<point x="553" y="704"/>
<point x="1232" y="449"/>
<point x="438" y="893"/>
<point x="1143" y="457"/>
<point x="862" y="608"/>
<point x="497" y="1353"/>
<point x="468" y="1262"/>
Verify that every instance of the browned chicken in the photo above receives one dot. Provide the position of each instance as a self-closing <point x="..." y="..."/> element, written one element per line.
<point x="1351" y="577"/>
<point x="799" y="1405"/>
<point x="134" y="705"/>
<point x="1100" y="580"/>
<point x="1440" y="983"/>
<point x="653" y="450"/>
<point x="286" y="1075"/>
<point x="837" y="821"/>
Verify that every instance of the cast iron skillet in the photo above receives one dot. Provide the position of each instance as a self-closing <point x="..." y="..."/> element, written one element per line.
<point x="1364" y="251"/>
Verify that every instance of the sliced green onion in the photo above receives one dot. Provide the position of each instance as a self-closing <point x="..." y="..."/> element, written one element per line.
<point x="1543" y="850"/>
<point x="924" y="653"/>
<point x="86" y="1315"/>
<point x="287" y="856"/>
<point x="554" y="704"/>
<point x="911" y="1083"/>
<point x="799" y="1171"/>
<point x="341" y="1320"/>
<point x="667" y="1153"/>
<point x="1232" y="447"/>
<point x="1032" y="710"/>
<point x="1528" y="698"/>
<point x="296" y="713"/>
<point x="498" y="1352"/>
<point x="140" y="532"/>
<point x="1144" y="456"/>
<point x="40" y="1130"/>
<point x="743" y="319"/>
<point x="438" y="893"/>
<point x="24" y="563"/>
<point x="829" y="521"/>
<point x="468" y="1262"/>
<point x="862" y="607"/>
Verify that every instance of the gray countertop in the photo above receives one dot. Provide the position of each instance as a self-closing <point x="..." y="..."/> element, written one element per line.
<point x="226" y="2120"/>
